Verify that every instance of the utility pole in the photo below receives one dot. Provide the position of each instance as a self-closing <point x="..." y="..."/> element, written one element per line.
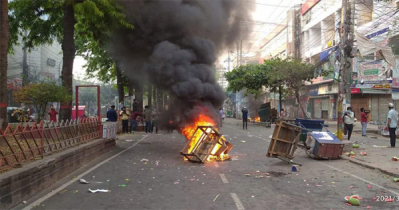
<point x="25" y="67"/>
<point x="345" y="49"/>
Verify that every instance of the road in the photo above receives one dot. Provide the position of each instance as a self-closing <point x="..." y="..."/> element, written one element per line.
<point x="168" y="182"/>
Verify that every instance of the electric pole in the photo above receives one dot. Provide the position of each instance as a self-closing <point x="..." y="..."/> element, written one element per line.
<point x="25" y="67"/>
<point x="345" y="49"/>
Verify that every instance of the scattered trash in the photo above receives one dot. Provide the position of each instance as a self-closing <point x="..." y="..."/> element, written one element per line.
<point x="352" y="153"/>
<point x="253" y="196"/>
<point x="129" y="140"/>
<point x="144" y="160"/>
<point x="98" y="190"/>
<point x="368" y="186"/>
<point x="82" y="181"/>
<point x="395" y="179"/>
<point x="353" y="200"/>
<point x="127" y="179"/>
<point x="243" y="141"/>
<point x="157" y="162"/>
<point x="216" y="198"/>
<point x="122" y="185"/>
<point x="234" y="158"/>
<point x="368" y="207"/>
<point x="363" y="153"/>
<point x="176" y="182"/>
<point x="24" y="202"/>
<point x="247" y="174"/>
<point x="394" y="159"/>
<point x="76" y="191"/>
<point x="355" y="146"/>
<point x="271" y="136"/>
<point x="296" y="168"/>
<point x="380" y="146"/>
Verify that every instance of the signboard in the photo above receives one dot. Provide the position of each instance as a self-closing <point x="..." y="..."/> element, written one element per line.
<point x="50" y="62"/>
<point x="128" y="102"/>
<point x="314" y="91"/>
<point x="355" y="90"/>
<point x="354" y="80"/>
<point x="373" y="74"/>
<point x="307" y="5"/>
<point x="14" y="83"/>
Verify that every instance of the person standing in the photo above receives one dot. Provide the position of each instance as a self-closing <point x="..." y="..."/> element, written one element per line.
<point x="244" y="118"/>
<point x="147" y="116"/>
<point x="392" y="123"/>
<point x="53" y="114"/>
<point x="363" y="121"/>
<point x="125" y="120"/>
<point x="349" y="119"/>
<point x="135" y="105"/>
<point x="154" y="122"/>
<point x="112" y="115"/>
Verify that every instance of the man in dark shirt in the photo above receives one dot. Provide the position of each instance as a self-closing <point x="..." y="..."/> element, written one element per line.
<point x="244" y="118"/>
<point x="112" y="115"/>
<point x="135" y="105"/>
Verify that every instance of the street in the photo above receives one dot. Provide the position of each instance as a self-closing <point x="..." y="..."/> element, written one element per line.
<point x="166" y="181"/>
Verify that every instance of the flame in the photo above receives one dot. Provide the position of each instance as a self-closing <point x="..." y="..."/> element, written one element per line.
<point x="189" y="132"/>
<point x="257" y="119"/>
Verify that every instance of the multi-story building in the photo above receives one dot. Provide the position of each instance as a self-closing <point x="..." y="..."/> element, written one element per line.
<point x="42" y="63"/>
<point x="320" y="21"/>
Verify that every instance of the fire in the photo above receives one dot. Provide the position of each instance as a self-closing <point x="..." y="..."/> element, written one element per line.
<point x="257" y="119"/>
<point x="190" y="132"/>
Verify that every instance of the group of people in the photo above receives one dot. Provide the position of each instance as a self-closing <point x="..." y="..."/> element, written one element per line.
<point x="391" y="125"/>
<point x="148" y="117"/>
<point x="349" y="120"/>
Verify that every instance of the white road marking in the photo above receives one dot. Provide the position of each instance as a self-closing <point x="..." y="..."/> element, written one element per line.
<point x="216" y="164"/>
<point x="237" y="201"/>
<point x="52" y="193"/>
<point x="224" y="179"/>
<point x="364" y="180"/>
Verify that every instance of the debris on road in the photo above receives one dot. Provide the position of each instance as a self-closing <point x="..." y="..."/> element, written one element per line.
<point x="127" y="179"/>
<point x="24" y="202"/>
<point x="82" y="181"/>
<point x="247" y="174"/>
<point x="216" y="198"/>
<point x="380" y="146"/>
<point x="122" y="185"/>
<point x="243" y="141"/>
<point x="368" y="186"/>
<point x="98" y="190"/>
<point x="296" y="168"/>
<point x="395" y="179"/>
<point x="129" y="140"/>
<point x="353" y="200"/>
<point x="144" y="160"/>
<point x="394" y="159"/>
<point x="363" y="153"/>
<point x="355" y="146"/>
<point x="176" y="182"/>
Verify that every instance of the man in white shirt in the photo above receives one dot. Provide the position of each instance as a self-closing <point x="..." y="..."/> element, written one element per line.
<point x="392" y="123"/>
<point x="349" y="119"/>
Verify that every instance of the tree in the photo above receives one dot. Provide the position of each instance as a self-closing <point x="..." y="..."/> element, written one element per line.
<point x="4" y="34"/>
<point x="273" y="73"/>
<point x="75" y="24"/>
<point x="39" y="95"/>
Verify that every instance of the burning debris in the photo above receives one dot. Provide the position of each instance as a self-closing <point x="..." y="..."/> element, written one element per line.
<point x="204" y="143"/>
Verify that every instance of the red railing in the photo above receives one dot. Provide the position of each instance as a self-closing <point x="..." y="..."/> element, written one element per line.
<point x="20" y="143"/>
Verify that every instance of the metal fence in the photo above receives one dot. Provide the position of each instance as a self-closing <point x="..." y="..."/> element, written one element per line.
<point x="21" y="143"/>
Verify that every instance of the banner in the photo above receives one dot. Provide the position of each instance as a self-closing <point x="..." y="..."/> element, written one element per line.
<point x="14" y="84"/>
<point x="307" y="5"/>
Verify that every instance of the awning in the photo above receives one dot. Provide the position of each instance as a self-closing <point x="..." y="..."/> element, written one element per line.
<point x="326" y="53"/>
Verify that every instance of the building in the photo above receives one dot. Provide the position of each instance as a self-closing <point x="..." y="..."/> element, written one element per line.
<point x="42" y="63"/>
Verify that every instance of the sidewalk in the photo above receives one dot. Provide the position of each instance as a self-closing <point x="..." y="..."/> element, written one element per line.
<point x="378" y="156"/>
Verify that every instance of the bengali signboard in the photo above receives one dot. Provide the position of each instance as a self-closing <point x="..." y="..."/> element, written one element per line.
<point x="14" y="83"/>
<point x="373" y="74"/>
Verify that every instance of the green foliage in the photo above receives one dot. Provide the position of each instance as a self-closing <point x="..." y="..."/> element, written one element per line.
<point x="40" y="95"/>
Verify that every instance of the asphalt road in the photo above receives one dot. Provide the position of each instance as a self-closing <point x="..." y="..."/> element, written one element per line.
<point x="166" y="181"/>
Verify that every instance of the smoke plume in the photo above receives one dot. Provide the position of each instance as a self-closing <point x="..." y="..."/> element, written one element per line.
<point x="174" y="46"/>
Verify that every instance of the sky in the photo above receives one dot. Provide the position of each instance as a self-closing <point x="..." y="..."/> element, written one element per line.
<point x="266" y="15"/>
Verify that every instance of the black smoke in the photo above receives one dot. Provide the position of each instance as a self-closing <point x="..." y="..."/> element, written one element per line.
<point x="174" y="46"/>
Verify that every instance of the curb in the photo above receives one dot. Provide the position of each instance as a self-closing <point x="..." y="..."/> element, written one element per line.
<point x="370" y="166"/>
